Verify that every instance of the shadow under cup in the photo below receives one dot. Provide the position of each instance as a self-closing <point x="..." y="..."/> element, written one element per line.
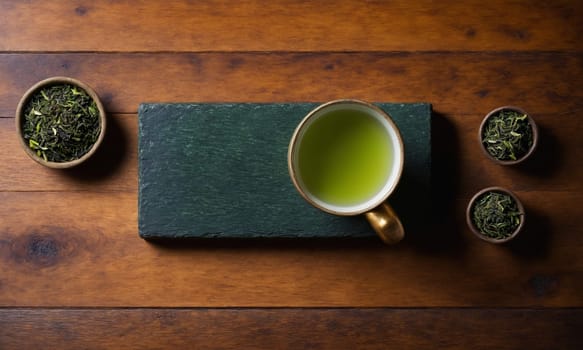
<point x="346" y="158"/>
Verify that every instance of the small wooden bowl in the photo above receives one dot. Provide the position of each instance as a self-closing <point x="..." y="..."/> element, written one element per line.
<point x="20" y="115"/>
<point x="534" y="135"/>
<point x="475" y="230"/>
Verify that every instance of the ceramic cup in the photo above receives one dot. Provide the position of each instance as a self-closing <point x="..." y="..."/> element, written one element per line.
<point x="355" y="142"/>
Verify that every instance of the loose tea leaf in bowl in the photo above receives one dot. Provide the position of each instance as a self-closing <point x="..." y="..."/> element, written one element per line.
<point x="496" y="215"/>
<point x="60" y="122"/>
<point x="507" y="134"/>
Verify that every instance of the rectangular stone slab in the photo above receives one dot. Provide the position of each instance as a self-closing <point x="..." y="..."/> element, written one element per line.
<point x="209" y="170"/>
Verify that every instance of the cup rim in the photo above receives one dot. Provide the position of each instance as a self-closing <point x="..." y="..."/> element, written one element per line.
<point x="293" y="144"/>
<point x="532" y="124"/>
<point x="55" y="81"/>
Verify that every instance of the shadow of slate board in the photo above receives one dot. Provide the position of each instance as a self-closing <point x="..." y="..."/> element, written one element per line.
<point x="209" y="170"/>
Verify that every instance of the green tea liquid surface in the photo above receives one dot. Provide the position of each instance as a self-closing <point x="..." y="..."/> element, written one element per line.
<point x="345" y="157"/>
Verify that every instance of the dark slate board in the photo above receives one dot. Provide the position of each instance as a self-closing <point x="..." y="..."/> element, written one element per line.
<point x="220" y="171"/>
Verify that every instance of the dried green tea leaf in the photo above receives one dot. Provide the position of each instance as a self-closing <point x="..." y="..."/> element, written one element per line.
<point x="63" y="121"/>
<point x="507" y="135"/>
<point x="496" y="215"/>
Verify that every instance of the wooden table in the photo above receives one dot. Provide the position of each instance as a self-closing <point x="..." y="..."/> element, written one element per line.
<point x="74" y="274"/>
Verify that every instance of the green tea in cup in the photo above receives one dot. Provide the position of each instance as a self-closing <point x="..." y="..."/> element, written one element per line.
<point x="346" y="158"/>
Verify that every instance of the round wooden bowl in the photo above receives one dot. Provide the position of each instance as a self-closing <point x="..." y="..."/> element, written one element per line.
<point x="534" y="135"/>
<point x="56" y="81"/>
<point x="475" y="230"/>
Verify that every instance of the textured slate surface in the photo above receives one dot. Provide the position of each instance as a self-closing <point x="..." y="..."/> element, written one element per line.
<point x="220" y="170"/>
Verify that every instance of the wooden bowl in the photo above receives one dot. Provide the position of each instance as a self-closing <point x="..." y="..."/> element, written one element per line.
<point x="20" y="116"/>
<point x="534" y="135"/>
<point x="477" y="232"/>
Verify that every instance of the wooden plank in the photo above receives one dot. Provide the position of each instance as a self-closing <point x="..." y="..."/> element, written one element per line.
<point x="82" y="249"/>
<point x="460" y="83"/>
<point x="287" y="25"/>
<point x="459" y="168"/>
<point x="290" y="329"/>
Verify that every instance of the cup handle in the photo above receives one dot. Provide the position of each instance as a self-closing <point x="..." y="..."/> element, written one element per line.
<point x="386" y="223"/>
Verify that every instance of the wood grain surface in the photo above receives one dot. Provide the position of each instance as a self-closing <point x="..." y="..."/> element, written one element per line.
<point x="288" y="25"/>
<point x="74" y="273"/>
<point x="84" y="251"/>
<point x="461" y="83"/>
<point x="291" y="329"/>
